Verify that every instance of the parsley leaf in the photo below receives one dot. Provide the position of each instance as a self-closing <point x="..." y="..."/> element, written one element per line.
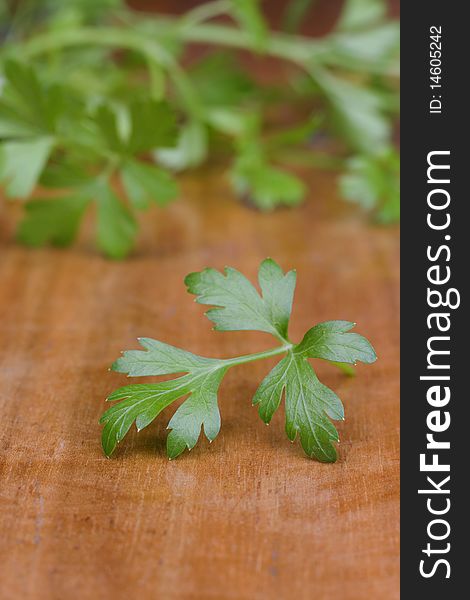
<point x="190" y="149"/>
<point x="151" y="124"/>
<point x="22" y="164"/>
<point x="199" y="410"/>
<point x="28" y="105"/>
<point x="38" y="126"/>
<point x="28" y="124"/>
<point x="53" y="220"/>
<point x="258" y="181"/>
<point x="361" y="13"/>
<point x="143" y="403"/>
<point x="309" y="404"/>
<point x="146" y="183"/>
<point x="357" y="111"/>
<point x="331" y="341"/>
<point x="116" y="227"/>
<point x="364" y="40"/>
<point x="268" y="187"/>
<point x="373" y="182"/>
<point x="240" y="306"/>
<point x="220" y="81"/>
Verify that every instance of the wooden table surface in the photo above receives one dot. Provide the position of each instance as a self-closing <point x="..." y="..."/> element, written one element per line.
<point x="248" y="517"/>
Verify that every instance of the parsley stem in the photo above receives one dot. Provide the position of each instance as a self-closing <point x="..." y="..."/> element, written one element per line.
<point x="283" y="46"/>
<point x="279" y="45"/>
<point x="288" y="47"/>
<point x="239" y="360"/>
<point x="119" y="38"/>
<point x="297" y="49"/>
<point x="206" y="11"/>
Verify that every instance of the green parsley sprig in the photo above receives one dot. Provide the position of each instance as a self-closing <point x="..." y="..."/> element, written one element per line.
<point x="238" y="306"/>
<point x="99" y="105"/>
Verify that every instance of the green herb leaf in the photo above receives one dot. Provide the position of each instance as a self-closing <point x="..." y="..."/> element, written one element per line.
<point x="66" y="175"/>
<point x="143" y="403"/>
<point x="373" y="182"/>
<point x="278" y="293"/>
<point x="361" y="13"/>
<point x="28" y="105"/>
<point x="153" y="126"/>
<point x="199" y="410"/>
<point x="372" y="49"/>
<point x="146" y="183"/>
<point x="309" y="403"/>
<point x="190" y="150"/>
<point x="116" y="227"/>
<point x="220" y="81"/>
<point x="254" y="178"/>
<point x="268" y="187"/>
<point x="55" y="221"/>
<point x="159" y="359"/>
<point x="22" y="164"/>
<point x="358" y="112"/>
<point x="106" y="120"/>
<point x="364" y="40"/>
<point x="240" y="307"/>
<point x="139" y="403"/>
<point x="330" y="341"/>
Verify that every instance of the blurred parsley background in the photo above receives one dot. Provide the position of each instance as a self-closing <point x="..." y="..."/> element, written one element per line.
<point x="103" y="103"/>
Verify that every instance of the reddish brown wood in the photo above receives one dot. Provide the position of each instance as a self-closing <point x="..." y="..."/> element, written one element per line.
<point x="248" y="517"/>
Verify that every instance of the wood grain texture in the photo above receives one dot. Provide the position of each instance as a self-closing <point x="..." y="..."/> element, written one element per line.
<point x="248" y="517"/>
